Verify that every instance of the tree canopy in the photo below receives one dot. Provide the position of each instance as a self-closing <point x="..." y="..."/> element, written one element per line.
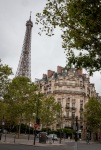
<point x="5" y="72"/>
<point x="20" y="98"/>
<point x="80" y="23"/>
<point x="93" y="114"/>
<point x="49" y="110"/>
<point x="24" y="104"/>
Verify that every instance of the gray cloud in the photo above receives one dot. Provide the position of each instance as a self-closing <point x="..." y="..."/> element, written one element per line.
<point x="46" y="52"/>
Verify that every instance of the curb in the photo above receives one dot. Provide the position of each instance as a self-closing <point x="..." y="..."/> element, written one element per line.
<point x="31" y="144"/>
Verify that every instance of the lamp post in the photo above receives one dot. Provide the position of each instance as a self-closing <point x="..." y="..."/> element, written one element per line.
<point x="76" y="135"/>
<point x="37" y="120"/>
<point x="60" y="125"/>
<point x="29" y="130"/>
<point x="3" y="123"/>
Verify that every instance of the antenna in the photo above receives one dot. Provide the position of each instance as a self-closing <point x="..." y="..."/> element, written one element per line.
<point x="30" y="15"/>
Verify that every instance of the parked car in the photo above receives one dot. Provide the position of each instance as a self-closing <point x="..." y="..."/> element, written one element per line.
<point x="52" y="136"/>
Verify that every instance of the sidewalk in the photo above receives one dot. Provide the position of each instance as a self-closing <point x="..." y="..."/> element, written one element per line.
<point x="12" y="140"/>
<point x="24" y="140"/>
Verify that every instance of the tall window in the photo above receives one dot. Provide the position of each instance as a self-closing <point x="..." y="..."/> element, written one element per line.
<point x="67" y="114"/>
<point x="81" y="83"/>
<point x="67" y="105"/>
<point x="67" y="124"/>
<point x="73" y="104"/>
<point x="81" y="105"/>
<point x="81" y="116"/>
<point x="67" y="99"/>
<point x="73" y="114"/>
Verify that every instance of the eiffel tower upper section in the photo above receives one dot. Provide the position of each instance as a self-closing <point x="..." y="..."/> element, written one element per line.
<point x="24" y="67"/>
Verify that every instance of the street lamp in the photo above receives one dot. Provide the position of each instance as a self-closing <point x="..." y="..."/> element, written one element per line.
<point x="3" y="123"/>
<point x="37" y="119"/>
<point x="60" y="125"/>
<point x="76" y="135"/>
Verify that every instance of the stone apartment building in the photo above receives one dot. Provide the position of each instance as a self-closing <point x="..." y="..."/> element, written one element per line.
<point x="72" y="89"/>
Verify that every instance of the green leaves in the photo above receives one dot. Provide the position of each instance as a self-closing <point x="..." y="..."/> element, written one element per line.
<point x="81" y="26"/>
<point x="20" y="97"/>
<point x="48" y="110"/>
<point x="5" y="72"/>
<point x="93" y="114"/>
<point x="23" y="103"/>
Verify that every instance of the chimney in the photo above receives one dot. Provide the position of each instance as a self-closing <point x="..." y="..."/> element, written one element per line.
<point x="44" y="75"/>
<point x="50" y="73"/>
<point x="59" y="69"/>
<point x="79" y="72"/>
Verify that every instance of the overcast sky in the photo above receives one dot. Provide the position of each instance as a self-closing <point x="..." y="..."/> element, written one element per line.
<point x="46" y="52"/>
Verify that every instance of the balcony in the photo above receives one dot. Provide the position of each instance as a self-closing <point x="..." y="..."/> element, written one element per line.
<point x="67" y="107"/>
<point x="68" y="117"/>
<point x="73" y="108"/>
<point x="49" y="92"/>
<point x="66" y="84"/>
<point x="68" y="92"/>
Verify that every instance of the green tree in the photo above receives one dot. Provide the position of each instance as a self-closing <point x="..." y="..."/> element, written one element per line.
<point x="5" y="72"/>
<point x="3" y="110"/>
<point x="49" y="110"/>
<point x="20" y="93"/>
<point x="80" y="23"/>
<point x="93" y="114"/>
<point x="33" y="107"/>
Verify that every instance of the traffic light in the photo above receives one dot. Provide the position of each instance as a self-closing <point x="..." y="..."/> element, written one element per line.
<point x="38" y="121"/>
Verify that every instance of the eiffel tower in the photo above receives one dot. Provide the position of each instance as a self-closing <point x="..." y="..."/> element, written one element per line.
<point x="24" y="66"/>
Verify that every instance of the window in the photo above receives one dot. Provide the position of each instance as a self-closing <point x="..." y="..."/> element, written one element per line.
<point x="81" y="105"/>
<point x="67" y="99"/>
<point x="80" y="83"/>
<point x="73" y="114"/>
<point x="67" y="114"/>
<point x="81" y="116"/>
<point x="73" y="104"/>
<point x="81" y="101"/>
<point x="59" y="99"/>
<point x="67" y="124"/>
<point x="68" y="104"/>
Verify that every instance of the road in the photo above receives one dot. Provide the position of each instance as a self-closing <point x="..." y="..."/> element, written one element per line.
<point x="67" y="146"/>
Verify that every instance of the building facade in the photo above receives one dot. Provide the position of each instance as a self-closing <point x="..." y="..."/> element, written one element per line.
<point x="72" y="89"/>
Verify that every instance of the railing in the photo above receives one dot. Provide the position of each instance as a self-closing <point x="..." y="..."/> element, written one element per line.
<point x="67" y="107"/>
<point x="70" y="117"/>
<point x="68" y="92"/>
<point x="72" y="108"/>
<point x="65" y="84"/>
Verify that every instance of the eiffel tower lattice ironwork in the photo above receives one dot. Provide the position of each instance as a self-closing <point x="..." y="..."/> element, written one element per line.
<point x="24" y="66"/>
